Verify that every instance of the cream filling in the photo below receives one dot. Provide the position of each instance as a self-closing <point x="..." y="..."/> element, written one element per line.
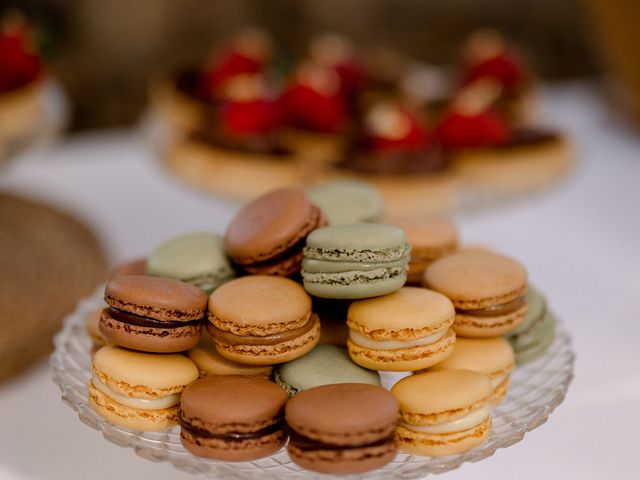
<point x="495" y="381"/>
<point x="365" y="342"/>
<point x="470" y="420"/>
<point x="139" y="403"/>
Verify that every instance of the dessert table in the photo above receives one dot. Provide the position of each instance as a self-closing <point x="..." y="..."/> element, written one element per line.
<point x="579" y="241"/>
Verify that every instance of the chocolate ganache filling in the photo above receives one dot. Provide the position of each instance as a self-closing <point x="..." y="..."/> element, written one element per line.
<point x="233" y="436"/>
<point x="495" y="310"/>
<point x="140" y="321"/>
<point x="233" y="339"/>
<point x="305" y="443"/>
<point x="528" y="136"/>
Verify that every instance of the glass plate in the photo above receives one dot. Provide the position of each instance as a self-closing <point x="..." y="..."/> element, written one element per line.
<point x="536" y="389"/>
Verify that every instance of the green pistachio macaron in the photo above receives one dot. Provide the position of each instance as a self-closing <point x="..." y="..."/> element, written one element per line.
<point x="348" y="201"/>
<point x="195" y="258"/>
<point x="324" y="365"/>
<point x="355" y="261"/>
<point x="534" y="336"/>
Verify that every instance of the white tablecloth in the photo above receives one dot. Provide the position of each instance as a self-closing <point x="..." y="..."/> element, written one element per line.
<point x="579" y="241"/>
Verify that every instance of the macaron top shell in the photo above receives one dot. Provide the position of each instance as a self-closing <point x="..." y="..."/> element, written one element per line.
<point x="232" y="403"/>
<point x="347" y="201"/>
<point x="196" y="258"/>
<point x="324" y="365"/>
<point x="270" y="224"/>
<point x="143" y="375"/>
<point x="405" y="315"/>
<point x="259" y="305"/>
<point x="343" y="414"/>
<point x="476" y="279"/>
<point x="426" y="398"/>
<point x="155" y="297"/>
<point x="484" y="355"/>
<point x="358" y="237"/>
<point x="430" y="233"/>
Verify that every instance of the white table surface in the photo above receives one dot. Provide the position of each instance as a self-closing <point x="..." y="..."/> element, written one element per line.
<point x="579" y="241"/>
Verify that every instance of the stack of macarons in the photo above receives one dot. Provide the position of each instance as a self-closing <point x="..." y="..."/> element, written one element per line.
<point x="222" y="335"/>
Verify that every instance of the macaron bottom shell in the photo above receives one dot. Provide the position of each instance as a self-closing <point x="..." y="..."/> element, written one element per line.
<point x="344" y="461"/>
<point x="232" y="450"/>
<point x="342" y="287"/>
<point x="129" y="417"/>
<point x="440" y="444"/>
<point x="270" y="354"/>
<point x="500" y="392"/>
<point x="478" y="327"/>
<point x="403" y="359"/>
<point x="150" y="339"/>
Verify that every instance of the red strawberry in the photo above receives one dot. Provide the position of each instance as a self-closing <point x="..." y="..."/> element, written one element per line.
<point x="389" y="127"/>
<point x="505" y="68"/>
<point x="226" y="67"/>
<point x="315" y="101"/>
<point x="19" y="64"/>
<point x="459" y="130"/>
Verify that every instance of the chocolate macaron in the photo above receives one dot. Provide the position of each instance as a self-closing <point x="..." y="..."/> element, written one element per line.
<point x="233" y="418"/>
<point x="267" y="235"/>
<point x="262" y="320"/>
<point x="153" y="314"/>
<point x="487" y="290"/>
<point x="343" y="428"/>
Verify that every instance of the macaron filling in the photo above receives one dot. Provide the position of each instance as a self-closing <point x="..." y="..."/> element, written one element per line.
<point x="498" y="379"/>
<point x="309" y="444"/>
<point x="470" y="420"/>
<point x="160" y="403"/>
<point x="365" y="342"/>
<point x="496" y="310"/>
<point x="229" y="338"/>
<point x="196" y="432"/>
<point x="141" y="321"/>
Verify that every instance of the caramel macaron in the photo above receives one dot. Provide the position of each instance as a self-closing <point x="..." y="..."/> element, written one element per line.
<point x="262" y="320"/>
<point x="153" y="314"/>
<point x="267" y="235"/>
<point x="342" y="428"/>
<point x="233" y="418"/>
<point x="405" y="330"/>
<point x="492" y="357"/>
<point x="139" y="391"/>
<point x="210" y="362"/>
<point x="487" y="290"/>
<point x="430" y="239"/>
<point x="443" y="413"/>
